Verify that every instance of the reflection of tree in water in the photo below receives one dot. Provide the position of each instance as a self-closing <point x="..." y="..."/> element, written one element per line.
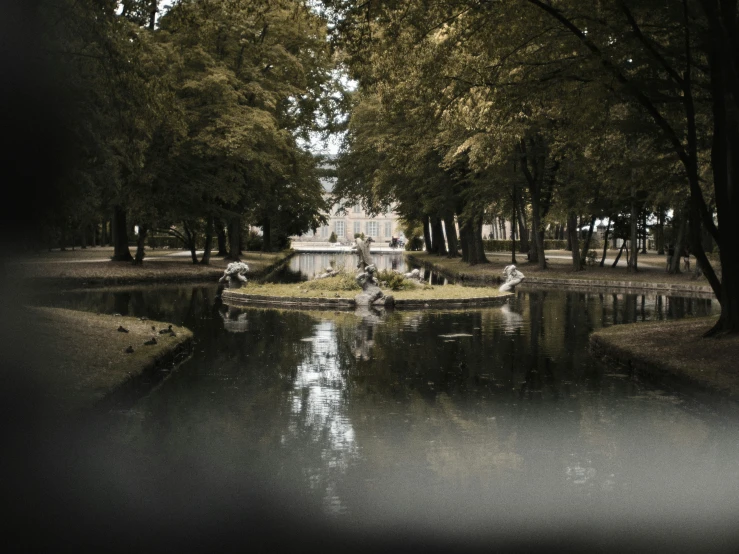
<point x="319" y="418"/>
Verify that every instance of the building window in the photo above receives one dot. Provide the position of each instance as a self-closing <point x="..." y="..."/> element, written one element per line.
<point x="356" y="209"/>
<point x="340" y="229"/>
<point x="357" y="227"/>
<point x="388" y="229"/>
<point x="324" y="231"/>
<point x="372" y="229"/>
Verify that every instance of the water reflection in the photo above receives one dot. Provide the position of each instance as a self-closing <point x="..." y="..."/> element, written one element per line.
<point x="319" y="414"/>
<point x="439" y="421"/>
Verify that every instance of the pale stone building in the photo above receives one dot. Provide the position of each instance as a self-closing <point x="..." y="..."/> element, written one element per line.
<point x="352" y="221"/>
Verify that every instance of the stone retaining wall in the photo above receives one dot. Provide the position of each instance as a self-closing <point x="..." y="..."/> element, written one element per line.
<point x="661" y="288"/>
<point x="240" y="299"/>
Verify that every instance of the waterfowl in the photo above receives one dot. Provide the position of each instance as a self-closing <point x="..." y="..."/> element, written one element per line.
<point x="129" y="350"/>
<point x="122" y="329"/>
<point x="167" y="330"/>
<point x="151" y="341"/>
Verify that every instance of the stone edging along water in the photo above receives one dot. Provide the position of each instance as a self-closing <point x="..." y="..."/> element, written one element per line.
<point x="238" y="298"/>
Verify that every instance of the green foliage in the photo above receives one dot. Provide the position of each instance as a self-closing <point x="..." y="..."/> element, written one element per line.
<point x="253" y="241"/>
<point x="393" y="281"/>
<point x="332" y="239"/>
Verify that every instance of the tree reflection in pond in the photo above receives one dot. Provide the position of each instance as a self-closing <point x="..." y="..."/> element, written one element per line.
<point x="439" y="421"/>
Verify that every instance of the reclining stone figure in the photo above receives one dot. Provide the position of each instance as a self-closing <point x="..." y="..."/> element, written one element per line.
<point x="512" y="278"/>
<point x="235" y="275"/>
<point x="330" y="272"/>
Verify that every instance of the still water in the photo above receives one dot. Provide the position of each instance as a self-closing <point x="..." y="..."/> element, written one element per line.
<point x="493" y="424"/>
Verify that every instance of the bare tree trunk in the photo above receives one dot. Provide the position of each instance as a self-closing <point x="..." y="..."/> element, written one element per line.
<point x="679" y="244"/>
<point x="191" y="242"/>
<point x="618" y="257"/>
<point x="586" y="246"/>
<point x="438" y="245"/>
<point x="221" y="234"/>
<point x="427" y="234"/>
<point x="267" y="235"/>
<point x="605" y="243"/>
<point x="634" y="246"/>
<point x="572" y="231"/>
<point x="208" y="242"/>
<point x="451" y="235"/>
<point x="121" y="253"/>
<point x="234" y="238"/>
<point x="143" y="231"/>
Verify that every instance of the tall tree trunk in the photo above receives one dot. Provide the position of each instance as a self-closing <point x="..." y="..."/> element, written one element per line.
<point x="221" y="234"/>
<point x="572" y="231"/>
<point x="644" y="234"/>
<point x="480" y="257"/>
<point x="451" y="235"/>
<point x="634" y="246"/>
<point x="679" y="243"/>
<point x="605" y="243"/>
<point x="523" y="236"/>
<point x="586" y="246"/>
<point x="659" y="234"/>
<point x="465" y="242"/>
<point x="121" y="253"/>
<point x="94" y="233"/>
<point x="503" y="233"/>
<point x="191" y="242"/>
<point x="83" y="237"/>
<point x="140" y="243"/>
<point x="438" y="246"/>
<point x="725" y="164"/>
<point x="234" y="238"/>
<point x="427" y="234"/>
<point x="513" y="235"/>
<point x="208" y="242"/>
<point x="618" y="256"/>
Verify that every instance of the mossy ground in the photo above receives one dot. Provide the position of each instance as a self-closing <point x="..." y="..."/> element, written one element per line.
<point x="80" y="357"/>
<point x="677" y="347"/>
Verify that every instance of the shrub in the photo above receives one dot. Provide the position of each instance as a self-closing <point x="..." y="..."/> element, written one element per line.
<point x="414" y="244"/>
<point x="253" y="241"/>
<point x="340" y="281"/>
<point x="392" y="280"/>
<point x="332" y="238"/>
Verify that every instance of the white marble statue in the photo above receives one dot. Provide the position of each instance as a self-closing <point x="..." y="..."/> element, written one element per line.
<point x="330" y="272"/>
<point x="512" y="278"/>
<point x="235" y="275"/>
<point x="415" y="274"/>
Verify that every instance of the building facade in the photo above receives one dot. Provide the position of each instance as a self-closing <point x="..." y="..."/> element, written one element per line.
<point x="352" y="221"/>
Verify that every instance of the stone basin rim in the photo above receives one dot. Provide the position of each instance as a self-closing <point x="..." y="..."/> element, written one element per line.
<point x="243" y="299"/>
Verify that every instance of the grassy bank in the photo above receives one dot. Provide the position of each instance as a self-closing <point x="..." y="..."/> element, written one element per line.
<point x="93" y="267"/>
<point x="80" y="358"/>
<point x="651" y="270"/>
<point x="676" y="353"/>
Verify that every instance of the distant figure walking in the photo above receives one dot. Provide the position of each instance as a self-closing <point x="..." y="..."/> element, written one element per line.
<point x="670" y="254"/>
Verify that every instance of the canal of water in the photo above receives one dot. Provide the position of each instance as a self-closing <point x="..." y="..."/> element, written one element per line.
<point x="491" y="424"/>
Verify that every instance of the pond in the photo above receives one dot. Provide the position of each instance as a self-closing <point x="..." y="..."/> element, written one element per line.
<point x="439" y="427"/>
